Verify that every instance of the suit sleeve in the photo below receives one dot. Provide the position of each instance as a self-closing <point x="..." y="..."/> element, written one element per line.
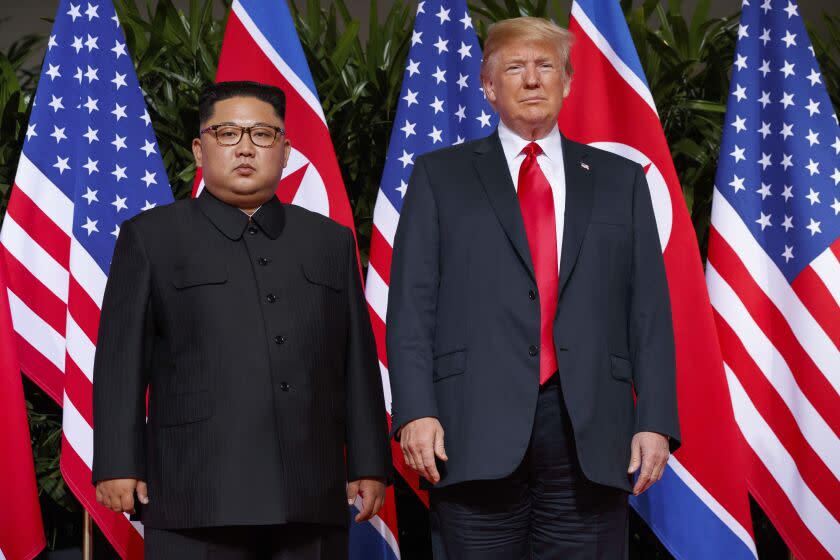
<point x="651" y="331"/>
<point x="412" y="303"/>
<point x="368" y="447"/>
<point x="120" y="366"/>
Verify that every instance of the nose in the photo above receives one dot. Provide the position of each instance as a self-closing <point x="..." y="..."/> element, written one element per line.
<point x="245" y="147"/>
<point x="531" y="76"/>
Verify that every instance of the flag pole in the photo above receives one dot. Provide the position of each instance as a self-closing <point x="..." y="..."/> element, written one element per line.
<point x="87" y="540"/>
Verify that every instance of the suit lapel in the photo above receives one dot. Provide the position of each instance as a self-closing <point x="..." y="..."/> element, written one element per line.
<point x="579" y="178"/>
<point x="495" y="178"/>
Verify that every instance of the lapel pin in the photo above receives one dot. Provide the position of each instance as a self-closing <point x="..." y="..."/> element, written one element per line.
<point x="584" y="165"/>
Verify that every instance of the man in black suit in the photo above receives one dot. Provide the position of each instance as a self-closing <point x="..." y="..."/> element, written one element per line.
<point x="528" y="303"/>
<point x="245" y="320"/>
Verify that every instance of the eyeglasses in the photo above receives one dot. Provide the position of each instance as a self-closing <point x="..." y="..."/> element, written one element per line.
<point x="261" y="135"/>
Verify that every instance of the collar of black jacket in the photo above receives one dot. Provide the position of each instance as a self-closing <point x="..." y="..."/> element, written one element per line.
<point x="231" y="221"/>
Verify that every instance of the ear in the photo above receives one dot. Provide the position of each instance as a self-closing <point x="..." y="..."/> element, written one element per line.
<point x="287" y="149"/>
<point x="567" y="86"/>
<point x="196" y="150"/>
<point x="489" y="91"/>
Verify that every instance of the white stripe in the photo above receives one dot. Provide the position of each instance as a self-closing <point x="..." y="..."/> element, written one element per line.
<point x="37" y="332"/>
<point x="87" y="272"/>
<point x="138" y="526"/>
<point x="712" y="504"/>
<point x="376" y="291"/>
<point x="385" y="217"/>
<point x="278" y="61"/>
<point x="380" y="526"/>
<point x="78" y="432"/>
<point x="386" y="386"/>
<point x="34" y="258"/>
<point x="200" y="188"/>
<point x="80" y="348"/>
<point x="820" y="436"/>
<point x="828" y="269"/>
<point x="2" y="556"/>
<point x="770" y="279"/>
<point x="782" y="468"/>
<point x="604" y="46"/>
<point x="45" y="194"/>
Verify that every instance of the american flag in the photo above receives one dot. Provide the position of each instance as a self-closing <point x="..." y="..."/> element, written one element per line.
<point x="90" y="161"/>
<point x="774" y="277"/>
<point x="441" y="104"/>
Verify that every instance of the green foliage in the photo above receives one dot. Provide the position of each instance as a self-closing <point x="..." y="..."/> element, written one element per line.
<point x="827" y="51"/>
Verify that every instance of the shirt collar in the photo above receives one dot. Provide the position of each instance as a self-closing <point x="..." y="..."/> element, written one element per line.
<point x="513" y="144"/>
<point x="231" y="221"/>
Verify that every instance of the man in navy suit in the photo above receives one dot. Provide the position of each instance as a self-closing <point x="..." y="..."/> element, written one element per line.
<point x="530" y="342"/>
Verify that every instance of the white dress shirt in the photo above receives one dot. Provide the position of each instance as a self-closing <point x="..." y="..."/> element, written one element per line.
<point x="551" y="164"/>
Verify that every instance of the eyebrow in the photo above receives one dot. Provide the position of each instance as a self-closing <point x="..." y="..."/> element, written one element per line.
<point x="260" y="123"/>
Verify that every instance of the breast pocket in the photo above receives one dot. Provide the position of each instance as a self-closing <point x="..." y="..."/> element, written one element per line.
<point x="324" y="275"/>
<point x="199" y="274"/>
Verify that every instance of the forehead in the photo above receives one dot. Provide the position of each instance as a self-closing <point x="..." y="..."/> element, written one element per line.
<point x="529" y="50"/>
<point x="236" y="109"/>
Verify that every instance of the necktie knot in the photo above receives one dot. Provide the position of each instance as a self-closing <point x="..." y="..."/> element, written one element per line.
<point x="532" y="150"/>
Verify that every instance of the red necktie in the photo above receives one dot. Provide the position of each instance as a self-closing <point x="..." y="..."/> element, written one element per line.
<point x="537" y="205"/>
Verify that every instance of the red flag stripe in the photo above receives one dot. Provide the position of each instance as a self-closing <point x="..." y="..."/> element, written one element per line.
<point x="29" y="289"/>
<point x="31" y="218"/>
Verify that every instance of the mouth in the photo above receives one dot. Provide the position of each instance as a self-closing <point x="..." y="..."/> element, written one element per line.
<point x="244" y="169"/>
<point x="533" y="100"/>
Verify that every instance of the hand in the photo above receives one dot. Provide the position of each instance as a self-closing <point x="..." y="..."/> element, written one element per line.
<point x="118" y="494"/>
<point x="421" y="441"/>
<point x="372" y="491"/>
<point x="650" y="451"/>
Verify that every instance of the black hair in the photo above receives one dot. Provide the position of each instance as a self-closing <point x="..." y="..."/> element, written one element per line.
<point x="214" y="93"/>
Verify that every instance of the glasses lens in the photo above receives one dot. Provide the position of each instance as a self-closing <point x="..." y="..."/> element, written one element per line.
<point x="263" y="135"/>
<point x="228" y="135"/>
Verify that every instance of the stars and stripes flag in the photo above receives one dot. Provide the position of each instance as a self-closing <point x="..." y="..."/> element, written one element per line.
<point x="441" y="104"/>
<point x="262" y="45"/>
<point x="90" y="160"/>
<point x="700" y="508"/>
<point x="774" y="277"/>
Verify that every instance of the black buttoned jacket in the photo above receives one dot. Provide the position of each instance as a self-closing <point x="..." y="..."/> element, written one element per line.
<point x="254" y="342"/>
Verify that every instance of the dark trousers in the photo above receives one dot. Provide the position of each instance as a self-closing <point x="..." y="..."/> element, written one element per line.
<point x="297" y="541"/>
<point x="544" y="510"/>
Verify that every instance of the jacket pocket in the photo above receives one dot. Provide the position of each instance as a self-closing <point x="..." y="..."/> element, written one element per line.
<point x="449" y="364"/>
<point x="185" y="408"/>
<point x="199" y="274"/>
<point x="323" y="274"/>
<point x="621" y="369"/>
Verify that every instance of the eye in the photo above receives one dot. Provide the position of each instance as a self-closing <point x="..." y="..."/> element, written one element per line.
<point x="262" y="133"/>
<point x="228" y="133"/>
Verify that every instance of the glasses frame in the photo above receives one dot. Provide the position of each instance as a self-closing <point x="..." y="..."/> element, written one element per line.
<point x="278" y="131"/>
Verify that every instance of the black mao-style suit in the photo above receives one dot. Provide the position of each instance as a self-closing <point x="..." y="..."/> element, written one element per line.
<point x="253" y="339"/>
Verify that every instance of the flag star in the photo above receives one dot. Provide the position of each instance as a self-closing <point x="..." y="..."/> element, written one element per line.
<point x="116" y="232"/>
<point x="53" y="72"/>
<point x="836" y="207"/>
<point x="464" y="50"/>
<point x="90" y="226"/>
<point x="836" y="145"/>
<point x="91" y="135"/>
<point x="813" y="167"/>
<point x="79" y="75"/>
<point x="91" y="74"/>
<point x="765" y="129"/>
<point x="91" y="166"/>
<point x="416" y="37"/>
<point x="406" y="159"/>
<point x="738" y="154"/>
<point x="149" y="148"/>
<point x="119" y="173"/>
<point x="443" y="15"/>
<point x="401" y="189"/>
<point x="813" y="196"/>
<point x="459" y="140"/>
<point x="789" y="39"/>
<point x="410" y="97"/>
<point x="91" y="43"/>
<point x="149" y="179"/>
<point x="116" y="20"/>
<point x="812" y="137"/>
<point x="787" y="130"/>
<point x="420" y="9"/>
<point x="836" y="176"/>
<point x="413" y="68"/>
<point x="61" y="164"/>
<point x="765" y="99"/>
<point x="742" y="31"/>
<point x="119" y="111"/>
<point x="766" y="6"/>
<point x="814" y="227"/>
<point x="737" y="183"/>
<point x="484" y="119"/>
<point x="56" y="103"/>
<point x="74" y="12"/>
<point x="462" y="81"/>
<point x="791" y="10"/>
<point x="765" y="36"/>
<point x="91" y="105"/>
<point x="90" y="196"/>
<point x="437" y="105"/>
<point x="813" y="107"/>
<point x="439" y="75"/>
<point x="741" y="62"/>
<point x="58" y="134"/>
<point x="460" y="113"/>
<point x="739" y="124"/>
<point x="119" y="142"/>
<point x="466" y="20"/>
<point x="763" y="221"/>
<point x="787" y="99"/>
<point x="145" y="117"/>
<point x="786" y="160"/>
<point x="740" y="92"/>
<point x="814" y="77"/>
<point x="787" y="193"/>
<point x="148" y="206"/>
<point x="435" y="135"/>
<point x="764" y="191"/>
<point x="764" y="161"/>
<point x="119" y="49"/>
<point x="787" y="69"/>
<point x="765" y="68"/>
<point x="409" y="128"/>
<point x="119" y="203"/>
<point x="77" y="44"/>
<point x="119" y="80"/>
<point x="30" y="131"/>
<point x="441" y="45"/>
<point x="788" y="254"/>
<point x="788" y="223"/>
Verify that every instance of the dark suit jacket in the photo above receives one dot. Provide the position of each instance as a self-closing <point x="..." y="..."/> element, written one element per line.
<point x="254" y="342"/>
<point x="463" y="331"/>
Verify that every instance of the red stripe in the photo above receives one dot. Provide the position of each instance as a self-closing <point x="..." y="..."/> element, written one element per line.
<point x="778" y="416"/>
<point x="379" y="335"/>
<point x="835" y="248"/>
<point x="380" y="255"/>
<point x="769" y="319"/>
<point x="83" y="310"/>
<point x="782" y="514"/>
<point x="37" y="297"/>
<point x="819" y="302"/>
<point x="120" y="533"/>
<point x="79" y="390"/>
<point x="39" y="226"/>
<point x="40" y="370"/>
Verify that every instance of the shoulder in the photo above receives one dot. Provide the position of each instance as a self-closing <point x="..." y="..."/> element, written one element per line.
<point x="459" y="152"/>
<point x="309" y="221"/>
<point x="601" y="158"/>
<point x="161" y="217"/>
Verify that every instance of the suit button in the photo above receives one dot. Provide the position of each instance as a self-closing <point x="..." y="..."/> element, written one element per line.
<point x="252" y="230"/>
<point x="533" y="350"/>
<point x="284" y="387"/>
<point x="279" y="339"/>
<point x="532" y="294"/>
<point x="263" y="261"/>
<point x="270" y="298"/>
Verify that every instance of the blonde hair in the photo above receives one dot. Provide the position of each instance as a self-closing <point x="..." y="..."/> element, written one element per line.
<point x="527" y="30"/>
